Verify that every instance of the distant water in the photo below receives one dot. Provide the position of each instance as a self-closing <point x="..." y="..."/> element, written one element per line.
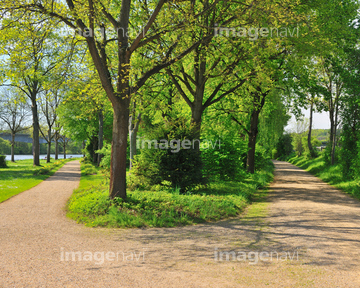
<point x="24" y="157"/>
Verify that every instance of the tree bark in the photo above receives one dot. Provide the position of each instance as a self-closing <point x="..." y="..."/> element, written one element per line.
<point x="36" y="129"/>
<point x="48" y="147"/>
<point x="83" y="148"/>
<point x="259" y="102"/>
<point x="118" y="148"/>
<point x="12" y="147"/>
<point x="197" y="107"/>
<point x="133" y="129"/>
<point x="196" y="119"/>
<point x="253" y="132"/>
<point x="333" y="144"/>
<point x="64" y="146"/>
<point x="56" y="137"/>
<point x="332" y="128"/>
<point x="100" y="136"/>
<point x="312" y="154"/>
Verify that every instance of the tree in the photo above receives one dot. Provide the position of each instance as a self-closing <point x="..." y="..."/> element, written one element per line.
<point x="30" y="57"/>
<point x="84" y="111"/>
<point x="48" y="105"/>
<point x="115" y="71"/>
<point x="14" y="113"/>
<point x="350" y="117"/>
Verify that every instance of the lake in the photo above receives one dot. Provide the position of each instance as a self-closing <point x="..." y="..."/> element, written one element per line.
<point x="24" y="157"/>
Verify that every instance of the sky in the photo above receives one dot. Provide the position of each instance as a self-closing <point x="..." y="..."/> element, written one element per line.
<point x="320" y="120"/>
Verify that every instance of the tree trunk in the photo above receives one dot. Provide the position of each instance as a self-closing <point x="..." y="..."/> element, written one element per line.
<point x="100" y="136"/>
<point x="83" y="148"/>
<point x="118" y="148"/>
<point x="64" y="146"/>
<point x="334" y="134"/>
<point x="198" y="107"/>
<point x="12" y="147"/>
<point x="133" y="129"/>
<point x="36" y="129"/>
<point x="48" y="147"/>
<point x="253" y="132"/>
<point x="312" y="154"/>
<point x="331" y="140"/>
<point x="196" y="119"/>
<point x="132" y="136"/>
<point x="56" y="146"/>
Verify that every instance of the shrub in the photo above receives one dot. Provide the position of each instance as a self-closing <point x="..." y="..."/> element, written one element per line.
<point x="42" y="170"/>
<point x="106" y="158"/>
<point x="226" y="162"/>
<point x="90" y="202"/>
<point x="2" y="161"/>
<point x="349" y="160"/>
<point x="261" y="157"/>
<point x="181" y="167"/>
<point x="284" y="147"/>
<point x="88" y="169"/>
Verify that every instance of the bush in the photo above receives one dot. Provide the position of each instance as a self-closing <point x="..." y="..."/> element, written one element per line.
<point x="226" y="162"/>
<point x="181" y="167"/>
<point x="88" y="169"/>
<point x="350" y="156"/>
<point x="284" y="147"/>
<point x="314" y="143"/>
<point x="106" y="159"/>
<point x="5" y="146"/>
<point x="261" y="157"/>
<point x="3" y="161"/>
<point x="42" y="171"/>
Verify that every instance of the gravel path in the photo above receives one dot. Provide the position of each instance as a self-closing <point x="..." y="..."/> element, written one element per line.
<point x="317" y="226"/>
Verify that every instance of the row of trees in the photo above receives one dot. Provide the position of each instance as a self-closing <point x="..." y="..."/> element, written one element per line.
<point x="35" y="66"/>
<point x="15" y="118"/>
<point x="152" y="66"/>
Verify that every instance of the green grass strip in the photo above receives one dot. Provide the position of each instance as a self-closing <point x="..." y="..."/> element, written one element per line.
<point x="22" y="175"/>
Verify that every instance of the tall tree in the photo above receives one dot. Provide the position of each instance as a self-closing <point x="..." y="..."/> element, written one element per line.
<point x="30" y="57"/>
<point x="115" y="71"/>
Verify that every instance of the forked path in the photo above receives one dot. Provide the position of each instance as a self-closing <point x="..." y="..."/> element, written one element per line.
<point x="315" y="225"/>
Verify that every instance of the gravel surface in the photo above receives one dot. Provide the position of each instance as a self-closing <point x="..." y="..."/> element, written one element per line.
<point x="315" y="225"/>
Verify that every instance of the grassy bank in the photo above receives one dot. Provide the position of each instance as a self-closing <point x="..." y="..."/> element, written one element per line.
<point x="329" y="174"/>
<point x="90" y="204"/>
<point x="22" y="175"/>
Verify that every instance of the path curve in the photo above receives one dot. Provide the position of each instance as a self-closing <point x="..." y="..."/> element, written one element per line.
<point x="306" y="216"/>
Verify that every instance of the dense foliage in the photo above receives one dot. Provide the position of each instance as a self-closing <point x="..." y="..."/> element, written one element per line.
<point x="222" y="73"/>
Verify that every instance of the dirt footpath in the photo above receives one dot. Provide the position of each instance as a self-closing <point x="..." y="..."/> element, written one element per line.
<point x="309" y="239"/>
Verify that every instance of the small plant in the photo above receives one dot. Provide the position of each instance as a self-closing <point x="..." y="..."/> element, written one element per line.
<point x="88" y="169"/>
<point x="42" y="170"/>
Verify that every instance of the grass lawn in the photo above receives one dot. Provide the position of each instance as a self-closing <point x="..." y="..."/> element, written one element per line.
<point x="22" y="175"/>
<point x="91" y="205"/>
<point x="329" y="174"/>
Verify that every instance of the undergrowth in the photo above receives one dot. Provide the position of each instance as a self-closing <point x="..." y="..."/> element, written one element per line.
<point x="91" y="205"/>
